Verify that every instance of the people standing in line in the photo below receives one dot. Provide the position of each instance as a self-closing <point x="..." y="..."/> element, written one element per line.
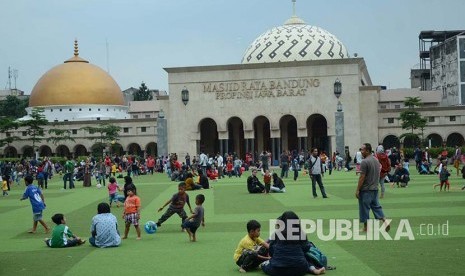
<point x="284" y="164"/>
<point x="358" y="160"/>
<point x="203" y="161"/>
<point x="220" y="164"/>
<point x="457" y="159"/>
<point x="367" y="188"/>
<point x="69" y="171"/>
<point x="316" y="173"/>
<point x="295" y="168"/>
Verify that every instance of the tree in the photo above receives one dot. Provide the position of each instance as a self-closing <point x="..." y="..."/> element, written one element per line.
<point x="34" y="126"/>
<point x="13" y="107"/>
<point x="7" y="124"/>
<point x="412" y="120"/>
<point x="106" y="134"/>
<point x="143" y="94"/>
<point x="58" y="135"/>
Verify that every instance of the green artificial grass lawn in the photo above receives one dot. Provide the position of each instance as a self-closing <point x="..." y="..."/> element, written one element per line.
<point x="228" y="207"/>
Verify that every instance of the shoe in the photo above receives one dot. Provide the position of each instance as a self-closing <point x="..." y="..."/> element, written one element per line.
<point x="325" y="197"/>
<point x="158" y="224"/>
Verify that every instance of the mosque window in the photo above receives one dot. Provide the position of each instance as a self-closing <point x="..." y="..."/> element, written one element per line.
<point x="61" y="109"/>
<point x="107" y="109"/>
<point x="126" y="130"/>
<point x="98" y="118"/>
<point x="135" y="116"/>
<point x="397" y="106"/>
<point x="462" y="71"/>
<point x="51" y="110"/>
<point x="65" y="120"/>
<point x="462" y="47"/>
<point x="8" y="134"/>
<point x="390" y="120"/>
<point x="452" y="118"/>
<point x="70" y="109"/>
<point x="24" y="133"/>
<point x="383" y="106"/>
<point x="147" y="116"/>
<point x="80" y="109"/>
<point x="143" y="129"/>
<point x="431" y="119"/>
<point x="74" y="131"/>
<point x="90" y="109"/>
<point x="99" y="109"/>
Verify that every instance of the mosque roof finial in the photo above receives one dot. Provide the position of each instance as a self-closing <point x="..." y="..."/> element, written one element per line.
<point x="293" y="7"/>
<point x="76" y="48"/>
<point x="294" y="20"/>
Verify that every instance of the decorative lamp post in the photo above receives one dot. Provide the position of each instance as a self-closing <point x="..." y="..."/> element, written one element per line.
<point x="185" y="95"/>
<point x="339" y="122"/>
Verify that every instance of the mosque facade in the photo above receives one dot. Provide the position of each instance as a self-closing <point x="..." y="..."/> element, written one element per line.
<point x="296" y="88"/>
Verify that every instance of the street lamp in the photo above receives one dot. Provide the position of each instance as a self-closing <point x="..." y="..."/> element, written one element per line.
<point x="339" y="122"/>
<point x="337" y="88"/>
<point x="185" y="95"/>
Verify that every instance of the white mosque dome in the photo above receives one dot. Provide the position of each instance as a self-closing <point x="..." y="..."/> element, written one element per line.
<point x="294" y="41"/>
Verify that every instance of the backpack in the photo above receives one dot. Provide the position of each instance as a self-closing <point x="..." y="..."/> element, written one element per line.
<point x="316" y="257"/>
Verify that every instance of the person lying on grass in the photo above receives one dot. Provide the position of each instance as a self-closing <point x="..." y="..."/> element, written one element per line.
<point x="61" y="235"/>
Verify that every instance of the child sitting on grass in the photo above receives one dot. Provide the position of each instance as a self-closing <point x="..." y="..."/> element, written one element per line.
<point x="61" y="235"/>
<point x="192" y="223"/>
<point x="267" y="181"/>
<point x="246" y="255"/>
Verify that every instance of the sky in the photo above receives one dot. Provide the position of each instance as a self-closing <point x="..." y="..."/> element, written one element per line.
<point x="141" y="37"/>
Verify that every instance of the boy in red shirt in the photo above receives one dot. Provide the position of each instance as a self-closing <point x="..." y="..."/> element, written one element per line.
<point x="131" y="213"/>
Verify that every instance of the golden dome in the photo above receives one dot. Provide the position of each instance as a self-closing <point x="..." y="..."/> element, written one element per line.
<point x="76" y="82"/>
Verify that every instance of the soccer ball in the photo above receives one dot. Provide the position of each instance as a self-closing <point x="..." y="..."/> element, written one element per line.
<point x="150" y="227"/>
<point x="99" y="186"/>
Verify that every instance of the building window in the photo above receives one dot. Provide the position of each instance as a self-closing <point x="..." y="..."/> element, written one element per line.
<point x="462" y="47"/>
<point x="8" y="134"/>
<point x="74" y="131"/>
<point x="390" y="120"/>
<point x="431" y="119"/>
<point x="147" y="116"/>
<point x="99" y="109"/>
<point x="107" y="109"/>
<point x="90" y="109"/>
<point x="383" y="106"/>
<point x="65" y="120"/>
<point x="462" y="71"/>
<point x="452" y="118"/>
<point x="51" y="110"/>
<point x="70" y="109"/>
<point x="397" y="106"/>
<point x="24" y="133"/>
<point x="135" y="116"/>
<point x="143" y="129"/>
<point x="126" y="130"/>
<point x="61" y="110"/>
<point x="98" y="118"/>
<point x="80" y="109"/>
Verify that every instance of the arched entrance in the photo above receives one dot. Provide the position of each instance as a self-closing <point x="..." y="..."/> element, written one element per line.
<point x="80" y="150"/>
<point x="209" y="142"/>
<point x="98" y="150"/>
<point x="411" y="141"/>
<point x="454" y="139"/>
<point x="62" y="151"/>
<point x="317" y="132"/>
<point x="261" y="128"/>
<point x="28" y="151"/>
<point x="236" y="136"/>
<point x="117" y="149"/>
<point x="45" y="151"/>
<point x="152" y="149"/>
<point x="10" y="151"/>
<point x="435" y="140"/>
<point x="134" y="149"/>
<point x="288" y="129"/>
<point x="391" y="141"/>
